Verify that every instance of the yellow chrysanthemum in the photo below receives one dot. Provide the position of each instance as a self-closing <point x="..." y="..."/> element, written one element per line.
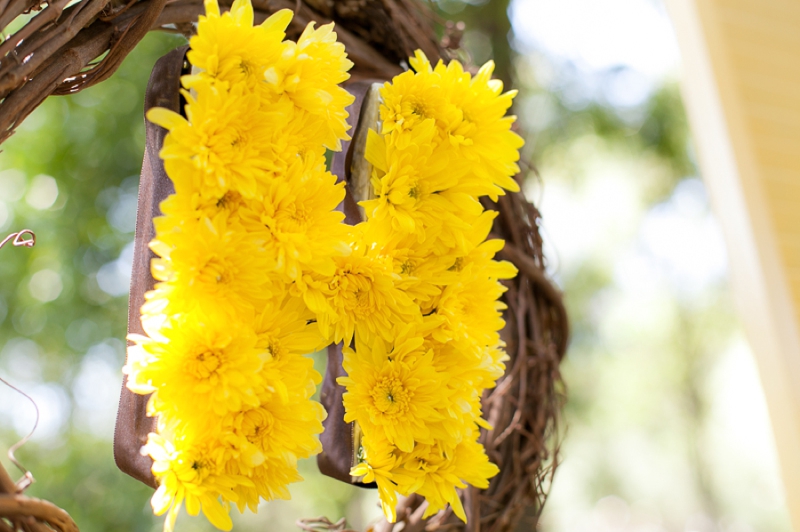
<point x="191" y="471"/>
<point x="296" y="222"/>
<point x="182" y="210"/>
<point x="478" y="260"/>
<point x="309" y="73"/>
<point x="199" y="364"/>
<point x="414" y="189"/>
<point x="435" y="471"/>
<point x="216" y="266"/>
<point x="224" y="135"/>
<point x="376" y="461"/>
<point x="268" y="481"/>
<point x="421" y="273"/>
<point x="276" y="428"/>
<point x="483" y="136"/>
<point x="472" y="310"/>
<point x="470" y="369"/>
<point x="230" y="51"/>
<point x="285" y="335"/>
<point x="271" y="438"/>
<point x="395" y="390"/>
<point x="285" y="328"/>
<point x="411" y="98"/>
<point x="359" y="298"/>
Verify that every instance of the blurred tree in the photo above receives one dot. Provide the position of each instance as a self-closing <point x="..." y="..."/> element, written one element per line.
<point x="70" y="174"/>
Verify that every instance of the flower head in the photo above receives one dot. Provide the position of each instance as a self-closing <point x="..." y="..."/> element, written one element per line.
<point x="198" y="364"/>
<point x="360" y="297"/>
<point x="191" y="471"/>
<point x="396" y="391"/>
<point x="224" y="136"/>
<point x="216" y="266"/>
<point x="230" y="51"/>
<point x="296" y="222"/>
<point x="308" y="74"/>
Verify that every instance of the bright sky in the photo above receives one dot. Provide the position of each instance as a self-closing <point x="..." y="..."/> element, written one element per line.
<point x="600" y="34"/>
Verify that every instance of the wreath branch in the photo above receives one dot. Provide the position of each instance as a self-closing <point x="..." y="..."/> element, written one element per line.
<point x="61" y="50"/>
<point x="19" y="509"/>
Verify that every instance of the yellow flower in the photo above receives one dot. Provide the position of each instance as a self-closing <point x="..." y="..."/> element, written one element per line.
<point x="414" y="189"/>
<point x="230" y="51"/>
<point x="268" y="481"/>
<point x="375" y="463"/>
<point x="191" y="470"/>
<point x="470" y="369"/>
<point x="296" y="133"/>
<point x="396" y="391"/>
<point x="297" y="223"/>
<point x="471" y="310"/>
<point x="435" y="471"/>
<point x="216" y="266"/>
<point x="309" y="73"/>
<point x="285" y="334"/>
<point x="271" y="438"/>
<point x="421" y="272"/>
<point x="276" y="428"/>
<point x="480" y="252"/>
<point x="359" y="298"/>
<point x="479" y="132"/>
<point x="199" y="364"/>
<point x="411" y="98"/>
<point x="184" y="209"/>
<point x="225" y="137"/>
<point x="285" y="328"/>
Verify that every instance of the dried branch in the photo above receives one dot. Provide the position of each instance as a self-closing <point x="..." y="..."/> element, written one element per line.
<point x="57" y="51"/>
<point x="323" y="524"/>
<point x="25" y="238"/>
<point x="21" y="513"/>
<point x="30" y="513"/>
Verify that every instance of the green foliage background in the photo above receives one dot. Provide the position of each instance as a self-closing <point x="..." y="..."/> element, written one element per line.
<point x="92" y="144"/>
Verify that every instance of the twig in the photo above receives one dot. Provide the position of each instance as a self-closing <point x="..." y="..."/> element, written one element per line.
<point x="20" y="239"/>
<point x="323" y="524"/>
<point x="19" y="507"/>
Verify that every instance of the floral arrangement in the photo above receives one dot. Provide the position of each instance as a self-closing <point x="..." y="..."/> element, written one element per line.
<point x="253" y="212"/>
<point x="256" y="268"/>
<point x="428" y="316"/>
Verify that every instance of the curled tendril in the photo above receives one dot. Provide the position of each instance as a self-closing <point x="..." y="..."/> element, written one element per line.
<point x="25" y="238"/>
<point x="27" y="478"/>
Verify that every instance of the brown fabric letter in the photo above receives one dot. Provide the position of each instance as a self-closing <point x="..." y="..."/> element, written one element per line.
<point x="133" y="425"/>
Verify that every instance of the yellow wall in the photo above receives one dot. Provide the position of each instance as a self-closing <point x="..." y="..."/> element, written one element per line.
<point x="741" y="84"/>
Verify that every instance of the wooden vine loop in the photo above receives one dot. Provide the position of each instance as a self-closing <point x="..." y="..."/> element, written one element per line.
<point x="19" y="513"/>
<point x="64" y="48"/>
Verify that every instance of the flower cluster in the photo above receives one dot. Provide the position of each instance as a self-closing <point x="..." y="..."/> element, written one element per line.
<point x="253" y="213"/>
<point x="420" y="290"/>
